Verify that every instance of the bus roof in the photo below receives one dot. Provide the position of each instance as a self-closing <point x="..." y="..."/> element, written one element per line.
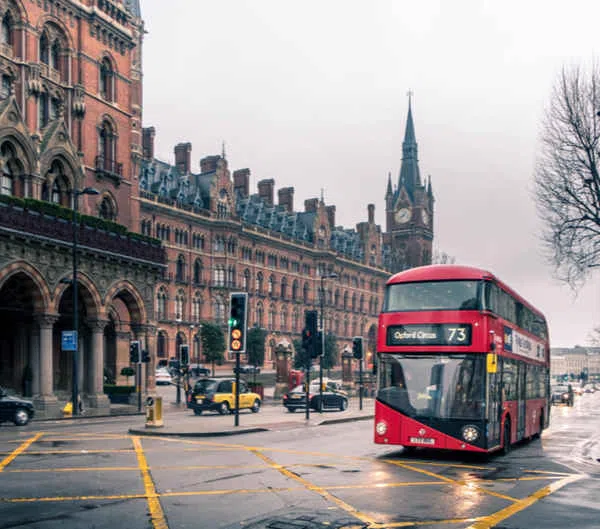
<point x="445" y="272"/>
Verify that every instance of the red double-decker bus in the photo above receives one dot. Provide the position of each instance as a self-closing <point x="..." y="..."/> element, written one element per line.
<point x="463" y="362"/>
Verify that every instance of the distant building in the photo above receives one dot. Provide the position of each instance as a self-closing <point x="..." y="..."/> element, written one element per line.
<point x="575" y="360"/>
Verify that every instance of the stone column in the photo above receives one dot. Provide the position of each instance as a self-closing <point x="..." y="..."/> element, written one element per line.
<point x="46" y="403"/>
<point x="150" y="346"/>
<point x="34" y="359"/>
<point x="97" y="400"/>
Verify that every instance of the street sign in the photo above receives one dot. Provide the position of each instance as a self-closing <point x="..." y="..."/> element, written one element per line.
<point x="69" y="340"/>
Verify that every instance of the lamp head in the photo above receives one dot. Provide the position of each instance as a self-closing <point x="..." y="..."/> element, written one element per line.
<point x="89" y="191"/>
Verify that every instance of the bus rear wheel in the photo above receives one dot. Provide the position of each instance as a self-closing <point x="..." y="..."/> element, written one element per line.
<point x="506" y="443"/>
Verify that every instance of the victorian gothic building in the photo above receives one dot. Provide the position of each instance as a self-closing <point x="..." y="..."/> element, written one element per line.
<point x="160" y="246"/>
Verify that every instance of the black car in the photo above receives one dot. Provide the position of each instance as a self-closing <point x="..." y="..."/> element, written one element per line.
<point x="197" y="370"/>
<point x="248" y="369"/>
<point x="332" y="399"/>
<point x="562" y="394"/>
<point x="15" y="409"/>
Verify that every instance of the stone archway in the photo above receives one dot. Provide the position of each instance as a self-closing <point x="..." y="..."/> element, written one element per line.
<point x="24" y="297"/>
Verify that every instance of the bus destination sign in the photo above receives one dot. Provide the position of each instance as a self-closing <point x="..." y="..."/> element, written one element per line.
<point x="433" y="334"/>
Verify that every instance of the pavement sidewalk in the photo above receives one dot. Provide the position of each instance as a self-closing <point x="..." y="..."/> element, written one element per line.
<point x="181" y="421"/>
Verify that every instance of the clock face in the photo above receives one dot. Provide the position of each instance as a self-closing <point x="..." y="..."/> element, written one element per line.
<point x="403" y="215"/>
<point x="425" y="216"/>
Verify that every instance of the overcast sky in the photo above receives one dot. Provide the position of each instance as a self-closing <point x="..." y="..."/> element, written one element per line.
<point x="312" y="93"/>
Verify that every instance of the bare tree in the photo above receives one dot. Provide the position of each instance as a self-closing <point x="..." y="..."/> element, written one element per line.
<point x="567" y="183"/>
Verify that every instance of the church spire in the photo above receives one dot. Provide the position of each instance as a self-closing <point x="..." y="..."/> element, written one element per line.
<point x="389" y="186"/>
<point x="409" y="177"/>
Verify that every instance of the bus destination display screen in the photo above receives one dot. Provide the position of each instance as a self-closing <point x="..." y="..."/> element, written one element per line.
<point x="431" y="334"/>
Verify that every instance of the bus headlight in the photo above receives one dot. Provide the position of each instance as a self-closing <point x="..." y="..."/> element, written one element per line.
<point x="381" y="428"/>
<point x="470" y="433"/>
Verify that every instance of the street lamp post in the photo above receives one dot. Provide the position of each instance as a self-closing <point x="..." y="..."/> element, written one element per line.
<point x="332" y="275"/>
<point x="75" y="385"/>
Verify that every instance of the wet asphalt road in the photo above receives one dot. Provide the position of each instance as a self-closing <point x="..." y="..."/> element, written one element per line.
<point x="94" y="474"/>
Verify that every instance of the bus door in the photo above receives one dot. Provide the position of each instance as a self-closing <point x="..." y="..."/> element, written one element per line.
<point x="521" y="399"/>
<point x="493" y="402"/>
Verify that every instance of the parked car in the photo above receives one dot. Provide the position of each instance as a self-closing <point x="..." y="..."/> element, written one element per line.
<point x="217" y="394"/>
<point x="248" y="369"/>
<point x="562" y="394"/>
<point x="162" y="377"/>
<point x="333" y="399"/>
<point x="14" y="409"/>
<point x="198" y="370"/>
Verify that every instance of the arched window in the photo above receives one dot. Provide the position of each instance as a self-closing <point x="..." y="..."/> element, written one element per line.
<point x="231" y="276"/>
<point x="354" y="301"/>
<point x="161" y="304"/>
<point x="106" y="80"/>
<point x="305" y="293"/>
<point x="44" y="49"/>
<point x="161" y="345"/>
<point x="295" y="290"/>
<point x="259" y="283"/>
<point x="336" y="298"/>
<point x="180" y="269"/>
<point x="283" y="287"/>
<point x="198" y="271"/>
<point x="271" y="322"/>
<point x="270" y="285"/>
<point x="219" y="276"/>
<point x="7" y="185"/>
<point x="197" y="307"/>
<point x="346" y="300"/>
<point x="180" y="305"/>
<point x="246" y="280"/>
<point x="6" y="32"/>
<point x="295" y="320"/>
<point x="56" y="188"/>
<point x="107" y="210"/>
<point x="219" y="308"/>
<point x="106" y="147"/>
<point x="362" y="303"/>
<point x="260" y="314"/>
<point x="283" y="319"/>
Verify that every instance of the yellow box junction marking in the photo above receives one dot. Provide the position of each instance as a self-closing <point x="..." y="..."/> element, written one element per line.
<point x="24" y="446"/>
<point x="157" y="516"/>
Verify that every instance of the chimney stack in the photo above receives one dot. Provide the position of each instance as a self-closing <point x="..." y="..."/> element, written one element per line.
<point x="286" y="198"/>
<point x="183" y="157"/>
<point x="208" y="164"/>
<point x="331" y="215"/>
<point x="371" y="209"/>
<point x="265" y="190"/>
<point x="148" y="134"/>
<point x="310" y="205"/>
<point x="241" y="182"/>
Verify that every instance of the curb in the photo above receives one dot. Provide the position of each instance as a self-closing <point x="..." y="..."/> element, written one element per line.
<point x="156" y="433"/>
<point x="347" y="419"/>
<point x="84" y="417"/>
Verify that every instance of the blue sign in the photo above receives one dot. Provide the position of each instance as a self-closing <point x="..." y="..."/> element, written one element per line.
<point x="69" y="341"/>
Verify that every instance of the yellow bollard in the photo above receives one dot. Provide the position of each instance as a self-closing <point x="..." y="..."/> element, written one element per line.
<point x="68" y="409"/>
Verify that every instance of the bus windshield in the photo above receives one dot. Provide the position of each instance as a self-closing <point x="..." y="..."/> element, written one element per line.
<point x="433" y="295"/>
<point x="433" y="386"/>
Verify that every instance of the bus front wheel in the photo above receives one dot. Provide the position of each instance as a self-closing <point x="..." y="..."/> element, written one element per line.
<point x="506" y="443"/>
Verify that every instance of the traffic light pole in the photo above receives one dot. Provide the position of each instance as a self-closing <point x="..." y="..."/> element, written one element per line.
<point x="307" y="382"/>
<point x="236" y="421"/>
<point x="360" y="384"/>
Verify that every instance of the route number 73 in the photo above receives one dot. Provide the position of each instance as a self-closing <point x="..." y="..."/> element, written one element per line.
<point x="457" y="334"/>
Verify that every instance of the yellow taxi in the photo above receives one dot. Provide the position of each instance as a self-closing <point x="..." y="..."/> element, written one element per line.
<point x="218" y="394"/>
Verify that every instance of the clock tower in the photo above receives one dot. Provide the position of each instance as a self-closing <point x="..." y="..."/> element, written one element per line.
<point x="408" y="238"/>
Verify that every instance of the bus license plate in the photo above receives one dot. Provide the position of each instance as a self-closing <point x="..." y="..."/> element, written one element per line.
<point x="422" y="440"/>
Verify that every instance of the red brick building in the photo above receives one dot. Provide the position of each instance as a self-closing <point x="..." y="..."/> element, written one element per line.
<point x="71" y="125"/>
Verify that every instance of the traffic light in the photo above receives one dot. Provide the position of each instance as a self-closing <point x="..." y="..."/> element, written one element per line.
<point x="145" y="356"/>
<point x="134" y="352"/>
<point x="237" y="322"/>
<point x="318" y="347"/>
<point x="357" y="347"/>
<point x="309" y="334"/>
<point x="184" y="355"/>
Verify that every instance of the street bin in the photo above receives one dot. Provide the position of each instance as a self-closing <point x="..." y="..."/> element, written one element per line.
<point x="154" y="412"/>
